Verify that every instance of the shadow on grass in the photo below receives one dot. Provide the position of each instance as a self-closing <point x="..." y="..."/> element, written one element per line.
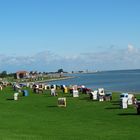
<point x="86" y="99"/>
<point x="114" y="101"/>
<point x="116" y="104"/>
<point x="52" y="106"/>
<point x="113" y="107"/>
<point x="10" y="99"/>
<point x="127" y="114"/>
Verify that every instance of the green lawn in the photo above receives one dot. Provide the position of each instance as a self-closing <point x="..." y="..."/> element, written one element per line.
<point x="37" y="117"/>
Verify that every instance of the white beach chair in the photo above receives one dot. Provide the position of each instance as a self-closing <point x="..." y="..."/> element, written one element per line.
<point x="16" y="96"/>
<point x="75" y="93"/>
<point x="124" y="102"/>
<point x="94" y="95"/>
<point x="62" y="102"/>
<point x="130" y="99"/>
<point x="101" y="94"/>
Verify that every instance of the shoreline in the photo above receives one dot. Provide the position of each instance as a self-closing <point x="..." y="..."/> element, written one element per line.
<point x="56" y="79"/>
<point x="49" y="80"/>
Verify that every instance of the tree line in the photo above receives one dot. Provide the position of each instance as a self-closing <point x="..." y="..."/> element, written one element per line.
<point x="4" y="73"/>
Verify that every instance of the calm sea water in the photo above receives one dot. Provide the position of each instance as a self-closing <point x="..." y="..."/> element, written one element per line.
<point x="122" y="80"/>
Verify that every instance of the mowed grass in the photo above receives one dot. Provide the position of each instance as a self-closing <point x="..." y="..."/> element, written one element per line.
<point x="37" y="117"/>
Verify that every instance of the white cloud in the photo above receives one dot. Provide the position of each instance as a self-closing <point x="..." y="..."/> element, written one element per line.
<point x="128" y="58"/>
<point x="131" y="49"/>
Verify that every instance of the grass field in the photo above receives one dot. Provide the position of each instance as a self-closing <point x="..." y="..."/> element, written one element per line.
<point x="37" y="117"/>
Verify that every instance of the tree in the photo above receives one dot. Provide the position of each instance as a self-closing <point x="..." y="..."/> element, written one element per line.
<point x="3" y="74"/>
<point x="60" y="71"/>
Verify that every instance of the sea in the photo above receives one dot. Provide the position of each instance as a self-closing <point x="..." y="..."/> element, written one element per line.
<point x="117" y="80"/>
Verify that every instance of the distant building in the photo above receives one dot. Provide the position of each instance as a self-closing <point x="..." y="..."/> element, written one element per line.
<point x="22" y="74"/>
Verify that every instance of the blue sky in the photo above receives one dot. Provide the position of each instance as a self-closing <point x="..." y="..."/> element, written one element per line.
<point x="46" y="35"/>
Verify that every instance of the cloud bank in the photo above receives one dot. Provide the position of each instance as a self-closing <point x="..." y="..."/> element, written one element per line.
<point x="113" y="59"/>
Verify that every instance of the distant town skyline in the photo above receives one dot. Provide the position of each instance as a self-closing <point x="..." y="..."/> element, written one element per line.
<point x="46" y="35"/>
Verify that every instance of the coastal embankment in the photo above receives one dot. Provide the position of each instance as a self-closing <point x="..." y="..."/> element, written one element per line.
<point x="55" y="79"/>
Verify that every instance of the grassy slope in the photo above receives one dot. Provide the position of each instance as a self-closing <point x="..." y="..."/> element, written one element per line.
<point x="37" y="117"/>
